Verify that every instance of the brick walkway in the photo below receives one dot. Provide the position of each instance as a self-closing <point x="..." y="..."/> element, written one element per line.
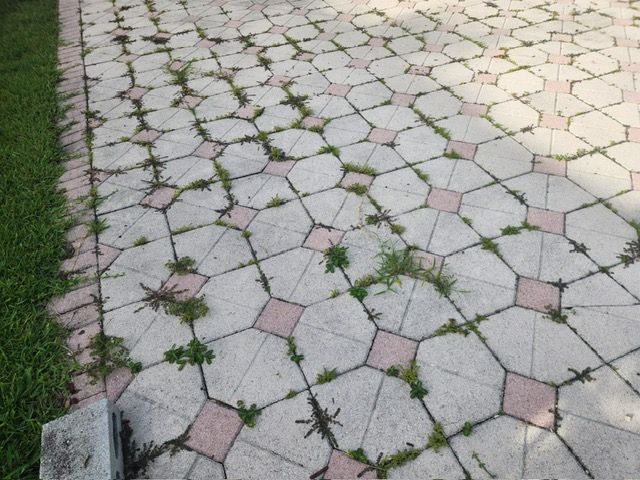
<point x="391" y="222"/>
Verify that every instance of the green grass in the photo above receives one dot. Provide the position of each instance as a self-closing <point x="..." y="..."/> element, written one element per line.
<point x="33" y="369"/>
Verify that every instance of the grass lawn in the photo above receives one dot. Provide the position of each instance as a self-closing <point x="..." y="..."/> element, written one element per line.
<point x="33" y="365"/>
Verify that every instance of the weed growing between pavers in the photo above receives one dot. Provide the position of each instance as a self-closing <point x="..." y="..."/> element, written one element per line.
<point x="409" y="375"/>
<point x="462" y="328"/>
<point x="321" y="421"/>
<point x="481" y="465"/>
<point x="326" y="376"/>
<point x="631" y="253"/>
<point x="248" y="415"/>
<point x="137" y="459"/>
<point x="181" y="266"/>
<point x="292" y="351"/>
<point x="188" y="310"/>
<point x="109" y="355"/>
<point x="194" y="353"/>
<point x="335" y="257"/>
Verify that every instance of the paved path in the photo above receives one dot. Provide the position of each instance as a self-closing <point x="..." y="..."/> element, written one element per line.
<point x="436" y="203"/>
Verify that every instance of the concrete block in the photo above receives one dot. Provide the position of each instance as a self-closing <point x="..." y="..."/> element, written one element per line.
<point x="84" y="445"/>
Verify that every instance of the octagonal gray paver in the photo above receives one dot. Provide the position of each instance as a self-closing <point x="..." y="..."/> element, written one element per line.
<point x="500" y="141"/>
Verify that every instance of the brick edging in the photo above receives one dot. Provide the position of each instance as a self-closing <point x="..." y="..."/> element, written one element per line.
<point x="79" y="309"/>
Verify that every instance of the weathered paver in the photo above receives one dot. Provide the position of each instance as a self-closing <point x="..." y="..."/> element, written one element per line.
<point x="402" y="230"/>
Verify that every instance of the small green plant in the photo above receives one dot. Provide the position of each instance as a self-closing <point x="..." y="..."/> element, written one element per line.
<point x="437" y="440"/>
<point x="97" y="225"/>
<point x="321" y="421"/>
<point x="188" y="310"/>
<point x="489" y="245"/>
<point x="275" y="201"/>
<point x="335" y="257"/>
<point x="181" y="266"/>
<point x="359" y="293"/>
<point x="276" y="154"/>
<point x="292" y="351"/>
<point x="409" y="375"/>
<point x="463" y="329"/>
<point x="395" y="460"/>
<point x="335" y="151"/>
<point x="397" y="228"/>
<point x="357" y="188"/>
<point x="246" y="233"/>
<point x="443" y="282"/>
<point x="510" y="230"/>
<point x="394" y="262"/>
<point x="326" y="376"/>
<point x="108" y="354"/>
<point x="290" y="394"/>
<point x="194" y="353"/>
<point x="356" y="168"/>
<point x="555" y="315"/>
<point x="482" y="465"/>
<point x="358" y="455"/>
<point x="631" y="253"/>
<point x="467" y="428"/>
<point x="142" y="240"/>
<point x="249" y="415"/>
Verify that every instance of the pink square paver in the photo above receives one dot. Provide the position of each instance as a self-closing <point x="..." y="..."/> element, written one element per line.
<point x="136" y="93"/>
<point x="239" y="217"/>
<point x="342" y="466"/>
<point x="278" y="81"/>
<point x="376" y="42"/>
<point x="550" y="166"/>
<point x="344" y="17"/>
<point x="279" y="317"/>
<point x="191" y="101"/>
<point x="145" y="136"/>
<point x="280" y="169"/>
<point x="247" y="112"/>
<point x="635" y="180"/>
<point x="445" y="200"/>
<point x="185" y="286"/>
<point x="555" y="122"/>
<point x="322" y="238"/>
<point x="557" y="86"/>
<point x="633" y="134"/>
<point x="546" y="220"/>
<point x="359" y="63"/>
<point x="485" y="78"/>
<point x="537" y="295"/>
<point x="390" y="350"/>
<point x="493" y="52"/>
<point x="529" y="400"/>
<point x="382" y="135"/>
<point x="473" y="109"/>
<point x="208" y="150"/>
<point x="161" y="198"/>
<point x="278" y="29"/>
<point x="463" y="149"/>
<point x="433" y="48"/>
<point x="325" y="36"/>
<point x="419" y="70"/>
<point x="402" y="99"/>
<point x="312" y="122"/>
<point x="214" y="431"/>
<point x="353" y="178"/>
<point x="560" y="59"/>
<point x="233" y="23"/>
<point x="631" y="97"/>
<point x="337" y="89"/>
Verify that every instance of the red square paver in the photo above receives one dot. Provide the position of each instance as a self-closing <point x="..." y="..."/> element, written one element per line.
<point x="281" y="169"/>
<point x="633" y="134"/>
<point x="485" y="78"/>
<point x="191" y="101"/>
<point x="550" y="166"/>
<point x="278" y="29"/>
<point x="322" y="238"/>
<point x="233" y="23"/>
<point x="160" y="198"/>
<point x="376" y="42"/>
<point x="557" y="86"/>
<point x="205" y="43"/>
<point x="145" y="136"/>
<point x="247" y="112"/>
<point x="279" y="317"/>
<point x="627" y="42"/>
<point x="402" y="99"/>
<point x="382" y="135"/>
<point x="624" y="22"/>
<point x="433" y="48"/>
<point x="359" y="63"/>
<point x="344" y="17"/>
<point x="312" y="122"/>
<point x="337" y="89"/>
<point x="463" y="149"/>
<point x="546" y="220"/>
<point x="635" y="180"/>
<point x="353" y="178"/>
<point x="630" y="67"/>
<point x="560" y="59"/>
<point x="208" y="150"/>
<point x="444" y="200"/>
<point x="306" y="56"/>
<point x="390" y="350"/>
<point x="117" y="382"/>
<point x="419" y="70"/>
<point x="537" y="295"/>
<point x="278" y="81"/>
<point x="473" y="109"/>
<point x="555" y="122"/>
<point x="185" y="286"/>
<point x="631" y="97"/>
<point x="136" y="93"/>
<point x="529" y="400"/>
<point x="326" y="36"/>
<point x="214" y="431"/>
<point x="342" y="467"/>
<point x="240" y="217"/>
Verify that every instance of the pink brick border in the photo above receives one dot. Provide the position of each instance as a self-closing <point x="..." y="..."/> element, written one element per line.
<point x="79" y="309"/>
